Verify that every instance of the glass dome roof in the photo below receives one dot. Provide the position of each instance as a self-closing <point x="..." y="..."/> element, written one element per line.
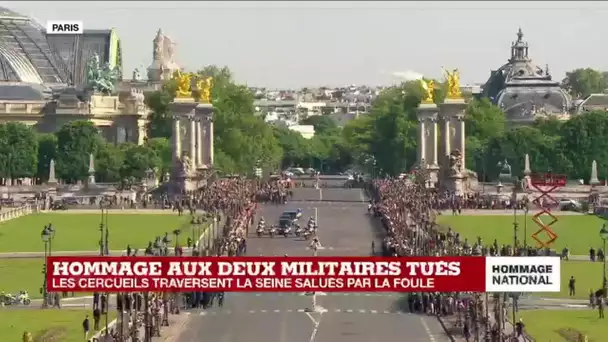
<point x="25" y="55"/>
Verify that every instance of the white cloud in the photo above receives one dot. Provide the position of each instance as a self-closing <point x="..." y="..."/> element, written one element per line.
<point x="408" y="75"/>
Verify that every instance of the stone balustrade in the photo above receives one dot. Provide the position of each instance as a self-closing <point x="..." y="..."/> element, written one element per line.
<point x="18" y="212"/>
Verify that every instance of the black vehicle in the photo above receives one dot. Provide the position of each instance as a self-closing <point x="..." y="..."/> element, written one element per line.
<point x="291" y="214"/>
<point x="285" y="222"/>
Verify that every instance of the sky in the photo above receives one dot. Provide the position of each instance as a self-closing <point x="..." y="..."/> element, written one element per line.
<point x="309" y="44"/>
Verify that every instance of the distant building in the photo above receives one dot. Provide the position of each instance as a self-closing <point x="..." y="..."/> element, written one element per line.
<point x="525" y="91"/>
<point x="43" y="79"/>
<point x="307" y="131"/>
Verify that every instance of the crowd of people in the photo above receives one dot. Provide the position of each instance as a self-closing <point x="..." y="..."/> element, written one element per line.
<point x="234" y="202"/>
<point x="408" y="212"/>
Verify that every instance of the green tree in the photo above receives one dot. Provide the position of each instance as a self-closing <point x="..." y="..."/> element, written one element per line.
<point x="160" y="119"/>
<point x="109" y="161"/>
<point x="18" y="150"/>
<point x="582" y="141"/>
<point x="584" y="82"/>
<point x="138" y="160"/>
<point x="246" y="140"/>
<point x="324" y="124"/>
<point x="515" y="143"/>
<point x="295" y="147"/>
<point x="75" y="141"/>
<point x="162" y="148"/>
<point x="483" y="122"/>
<point x="47" y="150"/>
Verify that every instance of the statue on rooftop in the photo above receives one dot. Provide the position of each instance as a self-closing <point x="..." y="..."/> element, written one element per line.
<point x="453" y="79"/>
<point x="100" y="78"/>
<point x="204" y="89"/>
<point x="429" y="91"/>
<point x="184" y="85"/>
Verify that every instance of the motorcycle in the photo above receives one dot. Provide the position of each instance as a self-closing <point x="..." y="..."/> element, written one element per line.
<point x="307" y="235"/>
<point x="9" y="299"/>
<point x="260" y="231"/>
<point x="298" y="231"/>
<point x="286" y="232"/>
<point x="272" y="232"/>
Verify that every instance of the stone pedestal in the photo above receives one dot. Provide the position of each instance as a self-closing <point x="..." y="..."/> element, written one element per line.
<point x="455" y="184"/>
<point x="452" y="115"/>
<point x="183" y="172"/>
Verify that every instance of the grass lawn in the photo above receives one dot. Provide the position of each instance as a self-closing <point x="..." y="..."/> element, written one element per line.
<point x="588" y="276"/>
<point x="578" y="233"/>
<point x="21" y="274"/>
<point x="562" y="325"/>
<point x="51" y="325"/>
<point x="80" y="232"/>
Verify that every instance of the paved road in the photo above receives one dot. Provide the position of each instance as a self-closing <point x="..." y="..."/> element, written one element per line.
<point x="344" y="230"/>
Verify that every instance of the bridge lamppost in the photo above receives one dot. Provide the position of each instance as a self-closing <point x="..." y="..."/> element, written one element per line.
<point x="604" y="236"/>
<point x="47" y="235"/>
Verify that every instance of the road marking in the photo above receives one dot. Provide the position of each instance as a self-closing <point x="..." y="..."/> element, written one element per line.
<point x="428" y="330"/>
<point x="320" y="194"/>
<point x="270" y="311"/>
<point x="361" y="195"/>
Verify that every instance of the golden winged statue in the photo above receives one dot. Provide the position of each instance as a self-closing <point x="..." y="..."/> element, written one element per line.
<point x="184" y="86"/>
<point x="453" y="79"/>
<point x="429" y="91"/>
<point x="204" y="86"/>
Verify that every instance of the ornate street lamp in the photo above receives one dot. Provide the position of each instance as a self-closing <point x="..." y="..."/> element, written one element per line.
<point x="47" y="234"/>
<point x="604" y="236"/>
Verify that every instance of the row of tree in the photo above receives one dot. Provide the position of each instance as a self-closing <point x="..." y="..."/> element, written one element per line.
<point x="25" y="153"/>
<point x="388" y="138"/>
<point x="383" y="141"/>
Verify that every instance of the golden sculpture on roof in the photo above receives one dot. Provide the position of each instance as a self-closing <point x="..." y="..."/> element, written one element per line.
<point x="429" y="91"/>
<point x="453" y="80"/>
<point x="204" y="86"/>
<point x="184" y="86"/>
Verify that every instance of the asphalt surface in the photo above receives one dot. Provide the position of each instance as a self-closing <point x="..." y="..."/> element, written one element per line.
<point x="344" y="229"/>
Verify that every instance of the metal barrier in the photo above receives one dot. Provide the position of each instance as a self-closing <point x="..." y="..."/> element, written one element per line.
<point x="20" y="211"/>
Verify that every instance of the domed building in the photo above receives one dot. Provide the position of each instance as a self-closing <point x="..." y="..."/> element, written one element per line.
<point x="43" y="80"/>
<point x="524" y="91"/>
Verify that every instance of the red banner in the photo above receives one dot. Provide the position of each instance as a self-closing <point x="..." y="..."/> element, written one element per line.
<point x="258" y="274"/>
<point x="303" y="274"/>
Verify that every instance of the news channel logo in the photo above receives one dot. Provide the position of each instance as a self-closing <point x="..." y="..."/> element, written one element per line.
<point x="64" y="27"/>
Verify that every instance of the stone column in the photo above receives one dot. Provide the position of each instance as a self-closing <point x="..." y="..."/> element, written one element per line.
<point x="422" y="141"/>
<point x="177" y="139"/>
<point x="209" y="144"/>
<point x="200" y="162"/>
<point x="446" y="137"/>
<point x="461" y="138"/>
<point x="435" y="133"/>
<point x="192" y="134"/>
